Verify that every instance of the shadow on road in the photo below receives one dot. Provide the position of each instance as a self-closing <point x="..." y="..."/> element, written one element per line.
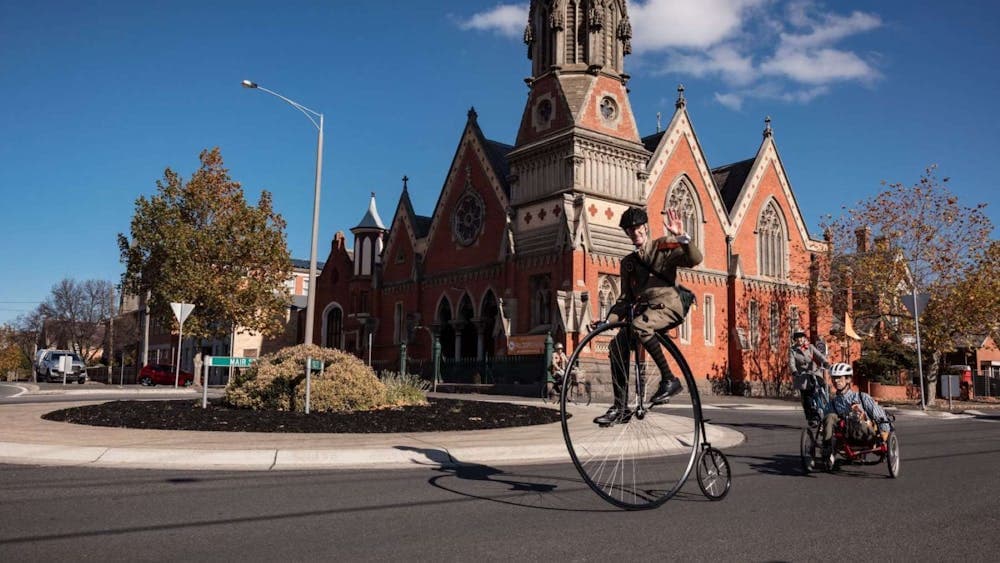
<point x="484" y="482"/>
<point x="777" y="465"/>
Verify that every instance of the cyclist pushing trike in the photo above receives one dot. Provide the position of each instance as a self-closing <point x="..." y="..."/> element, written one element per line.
<point x="555" y="378"/>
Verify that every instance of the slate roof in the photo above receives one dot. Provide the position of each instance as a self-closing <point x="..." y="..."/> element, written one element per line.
<point x="304" y="264"/>
<point x="729" y="179"/>
<point x="652" y="141"/>
<point x="497" y="153"/>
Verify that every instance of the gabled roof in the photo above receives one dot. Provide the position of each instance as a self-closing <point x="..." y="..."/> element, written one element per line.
<point x="730" y="179"/>
<point x="497" y="154"/>
<point x="493" y="159"/>
<point x="653" y="141"/>
<point x="420" y="224"/>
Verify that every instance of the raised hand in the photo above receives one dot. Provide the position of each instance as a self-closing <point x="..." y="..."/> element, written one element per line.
<point x="673" y="222"/>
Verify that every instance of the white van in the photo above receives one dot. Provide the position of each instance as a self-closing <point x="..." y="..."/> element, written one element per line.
<point x="48" y="367"/>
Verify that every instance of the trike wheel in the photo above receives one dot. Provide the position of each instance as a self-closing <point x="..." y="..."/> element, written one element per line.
<point x="807" y="450"/>
<point x="642" y="457"/>
<point x="714" y="475"/>
<point x="830" y="456"/>
<point x="892" y="455"/>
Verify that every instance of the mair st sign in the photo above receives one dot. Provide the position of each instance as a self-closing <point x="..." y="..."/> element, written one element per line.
<point x="229" y="361"/>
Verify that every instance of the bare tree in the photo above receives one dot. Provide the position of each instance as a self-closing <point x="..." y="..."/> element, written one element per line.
<point x="73" y="315"/>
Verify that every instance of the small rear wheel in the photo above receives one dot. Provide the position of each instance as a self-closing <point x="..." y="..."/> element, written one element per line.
<point x="146" y="381"/>
<point x="892" y="455"/>
<point x="714" y="475"/>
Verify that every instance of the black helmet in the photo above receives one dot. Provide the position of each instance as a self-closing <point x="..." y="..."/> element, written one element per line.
<point x="633" y="217"/>
<point x="798" y="334"/>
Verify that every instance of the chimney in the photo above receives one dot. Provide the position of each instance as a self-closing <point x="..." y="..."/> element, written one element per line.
<point x="864" y="235"/>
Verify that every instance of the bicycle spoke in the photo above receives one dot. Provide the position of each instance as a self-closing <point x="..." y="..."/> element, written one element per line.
<point x="631" y="462"/>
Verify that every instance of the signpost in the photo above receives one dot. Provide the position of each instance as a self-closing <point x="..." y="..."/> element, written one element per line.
<point x="915" y="304"/>
<point x="311" y="366"/>
<point x="222" y="362"/>
<point x="181" y="312"/>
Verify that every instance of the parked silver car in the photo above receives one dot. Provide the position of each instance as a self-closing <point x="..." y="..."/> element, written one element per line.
<point x="49" y="367"/>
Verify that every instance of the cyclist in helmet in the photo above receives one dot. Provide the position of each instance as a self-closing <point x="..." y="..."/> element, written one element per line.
<point x="805" y="363"/>
<point x="860" y="410"/>
<point x="649" y="273"/>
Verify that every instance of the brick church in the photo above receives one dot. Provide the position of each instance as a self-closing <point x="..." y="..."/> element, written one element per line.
<point x="523" y="241"/>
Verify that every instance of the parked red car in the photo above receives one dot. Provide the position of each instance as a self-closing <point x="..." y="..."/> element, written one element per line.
<point x="163" y="374"/>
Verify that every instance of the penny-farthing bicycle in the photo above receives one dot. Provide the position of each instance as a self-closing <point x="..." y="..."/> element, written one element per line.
<point x="643" y="460"/>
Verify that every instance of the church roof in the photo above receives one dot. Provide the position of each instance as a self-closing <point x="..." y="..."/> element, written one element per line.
<point x="371" y="220"/>
<point x="421" y="223"/>
<point x="730" y="180"/>
<point x="652" y="141"/>
<point x="497" y="153"/>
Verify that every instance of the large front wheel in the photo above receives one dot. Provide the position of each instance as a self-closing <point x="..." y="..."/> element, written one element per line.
<point x="641" y="457"/>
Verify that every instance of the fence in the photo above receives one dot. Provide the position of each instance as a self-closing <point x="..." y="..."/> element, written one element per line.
<point x="984" y="384"/>
<point x="498" y="370"/>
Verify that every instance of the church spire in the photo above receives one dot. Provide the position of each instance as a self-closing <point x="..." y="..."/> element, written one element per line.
<point x="581" y="35"/>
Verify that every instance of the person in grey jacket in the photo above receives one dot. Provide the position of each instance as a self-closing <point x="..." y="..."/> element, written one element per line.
<point x="805" y="362"/>
<point x="649" y="274"/>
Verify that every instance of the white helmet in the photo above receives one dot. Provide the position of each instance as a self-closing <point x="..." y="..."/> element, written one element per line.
<point x="841" y="370"/>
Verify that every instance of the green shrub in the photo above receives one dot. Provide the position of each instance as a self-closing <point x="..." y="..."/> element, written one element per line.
<point x="404" y="389"/>
<point x="278" y="382"/>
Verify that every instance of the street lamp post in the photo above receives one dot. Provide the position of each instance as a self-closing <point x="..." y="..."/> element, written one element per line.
<point x="316" y="119"/>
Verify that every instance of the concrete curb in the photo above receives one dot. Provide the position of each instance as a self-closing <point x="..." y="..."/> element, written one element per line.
<point x="40" y="442"/>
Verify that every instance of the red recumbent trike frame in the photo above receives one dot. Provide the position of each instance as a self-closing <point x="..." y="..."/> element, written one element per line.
<point x="812" y="453"/>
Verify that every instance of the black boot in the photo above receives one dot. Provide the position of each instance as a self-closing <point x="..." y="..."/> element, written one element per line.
<point x="618" y="412"/>
<point x="669" y="385"/>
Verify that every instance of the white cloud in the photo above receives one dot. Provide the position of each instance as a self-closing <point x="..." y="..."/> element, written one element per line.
<point x="663" y="24"/>
<point x="731" y="101"/>
<point x="830" y="29"/>
<point x="505" y="19"/>
<point x="767" y="49"/>
<point x="819" y="66"/>
<point x="724" y="60"/>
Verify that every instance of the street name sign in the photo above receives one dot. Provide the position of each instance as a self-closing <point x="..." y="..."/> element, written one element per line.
<point x="230" y="361"/>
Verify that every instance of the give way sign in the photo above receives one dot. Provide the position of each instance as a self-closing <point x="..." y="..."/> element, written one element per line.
<point x="182" y="310"/>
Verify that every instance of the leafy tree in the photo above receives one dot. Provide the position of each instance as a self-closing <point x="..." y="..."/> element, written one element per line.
<point x="200" y="242"/>
<point x="882" y="360"/>
<point x="74" y="313"/>
<point x="923" y="237"/>
<point x="11" y="356"/>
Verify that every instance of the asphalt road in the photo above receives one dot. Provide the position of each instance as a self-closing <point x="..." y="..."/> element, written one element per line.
<point x="943" y="507"/>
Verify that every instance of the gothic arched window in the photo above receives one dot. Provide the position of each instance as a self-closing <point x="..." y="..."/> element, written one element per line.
<point x="334" y="328"/>
<point x="682" y="197"/>
<point x="607" y="294"/>
<point x="771" y="238"/>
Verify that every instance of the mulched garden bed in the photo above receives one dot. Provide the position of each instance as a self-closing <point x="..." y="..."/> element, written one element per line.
<point x="439" y="415"/>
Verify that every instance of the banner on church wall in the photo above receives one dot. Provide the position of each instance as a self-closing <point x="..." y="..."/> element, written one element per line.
<point x="526" y="345"/>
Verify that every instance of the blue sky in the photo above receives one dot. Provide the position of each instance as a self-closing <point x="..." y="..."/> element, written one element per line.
<point x="98" y="98"/>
